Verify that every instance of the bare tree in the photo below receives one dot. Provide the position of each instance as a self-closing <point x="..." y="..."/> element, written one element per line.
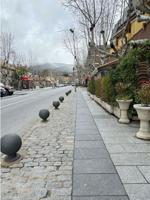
<point x="90" y="10"/>
<point x="96" y="19"/>
<point x="68" y="42"/>
<point x="6" y="46"/>
<point x="20" y="59"/>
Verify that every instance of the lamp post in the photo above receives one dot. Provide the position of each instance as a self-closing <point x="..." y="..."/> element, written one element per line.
<point x="74" y="79"/>
<point x="75" y="55"/>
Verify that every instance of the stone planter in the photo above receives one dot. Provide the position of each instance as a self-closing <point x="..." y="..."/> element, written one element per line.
<point x="116" y="111"/>
<point x="144" y="117"/>
<point x="124" y="106"/>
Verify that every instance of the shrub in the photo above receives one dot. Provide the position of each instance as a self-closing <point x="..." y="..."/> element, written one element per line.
<point x="108" y="87"/>
<point x="125" y="72"/>
<point x="91" y="86"/>
<point x="99" y="88"/>
<point x="122" y="91"/>
<point x="109" y="92"/>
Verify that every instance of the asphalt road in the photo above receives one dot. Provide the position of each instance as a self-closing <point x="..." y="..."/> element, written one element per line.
<point x="20" y="111"/>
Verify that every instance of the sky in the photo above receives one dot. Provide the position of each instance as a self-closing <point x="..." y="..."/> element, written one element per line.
<point x="37" y="26"/>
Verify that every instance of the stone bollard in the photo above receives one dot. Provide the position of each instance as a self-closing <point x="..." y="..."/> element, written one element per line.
<point x="10" y="145"/>
<point x="61" y="99"/>
<point x="67" y="93"/>
<point x="44" y="114"/>
<point x="56" y="104"/>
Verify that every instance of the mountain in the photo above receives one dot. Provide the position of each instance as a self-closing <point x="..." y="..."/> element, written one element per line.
<point x="53" y="67"/>
<point x="63" y="67"/>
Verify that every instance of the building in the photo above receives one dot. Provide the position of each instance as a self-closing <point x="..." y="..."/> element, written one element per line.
<point x="7" y="74"/>
<point x="128" y="29"/>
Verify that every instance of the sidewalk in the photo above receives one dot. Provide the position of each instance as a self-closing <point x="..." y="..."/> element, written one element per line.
<point x="94" y="175"/>
<point x="99" y="140"/>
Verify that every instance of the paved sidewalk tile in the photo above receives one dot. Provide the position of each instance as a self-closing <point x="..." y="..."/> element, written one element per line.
<point x="94" y="166"/>
<point x="97" y="184"/>
<point x="145" y="170"/>
<point x="138" y="191"/>
<point x="86" y="137"/>
<point x="102" y="198"/>
<point x="131" y="159"/>
<point x="87" y="131"/>
<point x="89" y="144"/>
<point x="130" y="174"/>
<point x="89" y="153"/>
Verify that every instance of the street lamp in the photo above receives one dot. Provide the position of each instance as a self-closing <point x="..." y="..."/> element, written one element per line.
<point x="75" y="55"/>
<point x="74" y="79"/>
<point x="71" y="30"/>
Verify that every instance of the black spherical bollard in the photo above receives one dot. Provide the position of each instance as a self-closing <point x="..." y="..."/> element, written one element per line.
<point x="61" y="99"/>
<point x="56" y="104"/>
<point x="67" y="93"/>
<point x="10" y="145"/>
<point x="44" y="114"/>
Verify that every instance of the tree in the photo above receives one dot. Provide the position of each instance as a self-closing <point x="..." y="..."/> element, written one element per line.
<point x="96" y="20"/>
<point x="45" y="73"/>
<point x="90" y="10"/>
<point x="6" y="46"/>
<point x="20" y="71"/>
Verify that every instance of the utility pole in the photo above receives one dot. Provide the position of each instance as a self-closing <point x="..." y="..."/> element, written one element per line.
<point x="75" y="56"/>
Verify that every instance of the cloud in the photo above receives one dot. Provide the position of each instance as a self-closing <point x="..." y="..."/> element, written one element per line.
<point x="36" y="25"/>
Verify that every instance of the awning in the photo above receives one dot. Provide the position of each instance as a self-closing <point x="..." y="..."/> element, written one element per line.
<point x="26" y="78"/>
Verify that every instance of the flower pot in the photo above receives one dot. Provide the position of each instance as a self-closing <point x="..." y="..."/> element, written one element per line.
<point x="144" y="117"/>
<point x="124" y="106"/>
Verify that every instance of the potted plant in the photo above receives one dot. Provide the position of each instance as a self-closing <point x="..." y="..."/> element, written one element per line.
<point x="124" y="100"/>
<point x="143" y="111"/>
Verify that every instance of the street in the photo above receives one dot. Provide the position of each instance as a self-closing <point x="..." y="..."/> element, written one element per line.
<point x="20" y="111"/>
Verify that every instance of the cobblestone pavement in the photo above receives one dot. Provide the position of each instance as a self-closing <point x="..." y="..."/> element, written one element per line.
<point x="45" y="172"/>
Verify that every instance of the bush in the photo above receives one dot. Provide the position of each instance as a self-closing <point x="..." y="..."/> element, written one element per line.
<point x="125" y="73"/>
<point x="122" y="91"/>
<point x="109" y="90"/>
<point x="99" y="88"/>
<point x="91" y="86"/>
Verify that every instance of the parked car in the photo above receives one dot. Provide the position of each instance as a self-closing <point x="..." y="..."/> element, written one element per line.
<point x="60" y="85"/>
<point x="3" y="91"/>
<point x="8" y="89"/>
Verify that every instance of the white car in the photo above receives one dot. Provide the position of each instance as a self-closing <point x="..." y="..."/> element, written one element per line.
<point x="8" y="89"/>
<point x="3" y="91"/>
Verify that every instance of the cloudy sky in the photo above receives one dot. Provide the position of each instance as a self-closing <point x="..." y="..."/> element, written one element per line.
<point x="37" y="26"/>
